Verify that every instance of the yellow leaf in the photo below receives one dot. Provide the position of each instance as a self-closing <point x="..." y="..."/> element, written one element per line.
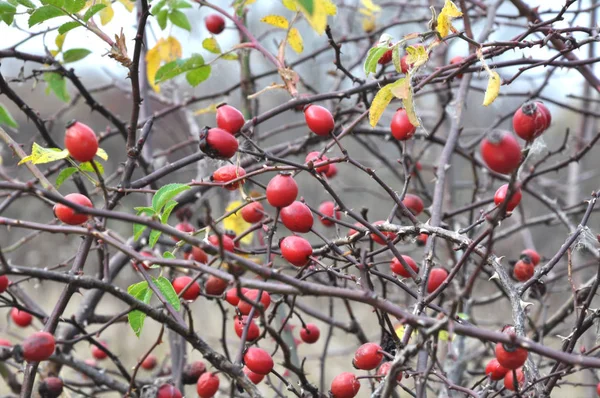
<point x="211" y="44"/>
<point x="229" y="56"/>
<point x="493" y="88"/>
<point x="277" y="21"/>
<point x="370" y="6"/>
<point x="60" y="40"/>
<point x="165" y="50"/>
<point x="54" y="53"/>
<point x="417" y="56"/>
<point x="318" y="18"/>
<point x="41" y="155"/>
<point x="101" y="153"/>
<point x="451" y="9"/>
<point x="128" y="4"/>
<point x="409" y="107"/>
<point x="236" y="223"/>
<point x="152" y="65"/>
<point x="290" y="5"/>
<point x="380" y="102"/>
<point x="443" y="335"/>
<point x="400" y="88"/>
<point x="330" y="8"/>
<point x="212" y="108"/>
<point x="295" y="40"/>
<point x="368" y="24"/>
<point x="107" y="13"/>
<point x="444" y="20"/>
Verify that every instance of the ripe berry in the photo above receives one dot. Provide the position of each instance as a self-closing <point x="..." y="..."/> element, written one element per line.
<point x="332" y="171"/>
<point x="546" y="112"/>
<point x="5" y="343"/>
<point x="149" y="362"/>
<point x="168" y="391"/>
<point x="218" y="143"/>
<point x="436" y="277"/>
<point x="501" y="152"/>
<point x="386" y="57"/>
<point x="229" y="173"/>
<point x="598" y="389"/>
<point x="215" y="286"/>
<point x="509" y="379"/>
<point x="254" y="377"/>
<point x="530" y="121"/>
<point x="297" y="217"/>
<point x="422" y="239"/>
<point x="252" y="294"/>
<point x="413" y="203"/>
<point x="316" y="159"/>
<point x="38" y="347"/>
<point x="310" y="333"/>
<point x="514" y="201"/>
<point x="81" y="141"/>
<point x="3" y="283"/>
<point x="192" y="372"/>
<point x="533" y="256"/>
<point x="69" y="215"/>
<point x="227" y="242"/>
<point x="398" y="269"/>
<point x="457" y="60"/>
<point x="253" y="212"/>
<point x="523" y="270"/>
<point x="404" y="65"/>
<point x="196" y="254"/>
<point x="208" y="385"/>
<point x="144" y="264"/>
<point x="214" y="23"/>
<point x="51" y="387"/>
<point x="384" y="369"/>
<point x="192" y="292"/>
<point x="98" y="353"/>
<point x="327" y="208"/>
<point x="232" y="295"/>
<point x="184" y="227"/>
<point x="21" y="318"/>
<point x="319" y="120"/>
<point x="282" y="190"/>
<point x="240" y="323"/>
<point x="495" y="370"/>
<point x="344" y="385"/>
<point x="368" y="356"/>
<point x="509" y="356"/>
<point x="389" y="235"/>
<point x="295" y="250"/>
<point x="402" y="128"/>
<point x="258" y="360"/>
<point x="230" y="119"/>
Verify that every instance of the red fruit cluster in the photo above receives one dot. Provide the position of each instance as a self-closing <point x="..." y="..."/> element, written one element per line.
<point x="531" y="120"/>
<point x="501" y="152"/>
<point x="515" y="198"/>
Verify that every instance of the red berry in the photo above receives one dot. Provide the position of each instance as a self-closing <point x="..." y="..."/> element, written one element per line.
<point x="258" y="360"/>
<point x="254" y="377"/>
<point x="546" y="112"/>
<point x="21" y="318"/>
<point x="192" y="372"/>
<point x="327" y="208"/>
<point x="196" y="254"/>
<point x="457" y="60"/>
<point x="5" y="343"/>
<point x="168" y="391"/>
<point x="70" y="216"/>
<point x="354" y="231"/>
<point x="295" y="250"/>
<point x="232" y="295"/>
<point x="310" y="333"/>
<point x="282" y="190"/>
<point x="316" y="159"/>
<point x="510" y="357"/>
<point x="149" y="362"/>
<point x="144" y="264"/>
<point x="501" y="152"/>
<point x="184" y="227"/>
<point x="227" y="242"/>
<point x="384" y="369"/>
<point x="514" y="201"/>
<point x="368" y="356"/>
<point x="215" y="286"/>
<point x="422" y="239"/>
<point x="389" y="235"/>
<point x="252" y="294"/>
<point x="524" y="270"/>
<point x="598" y="389"/>
<point x="240" y="323"/>
<point x="208" y="385"/>
<point x="413" y="203"/>
<point x="38" y="347"/>
<point x="81" y="141"/>
<point x="98" y="353"/>
<point x="386" y="57"/>
<point x="332" y="171"/>
<point x="319" y="120"/>
<point x="297" y="217"/>
<point x="345" y="385"/>
<point x="530" y="121"/>
<point x="509" y="380"/>
<point x="229" y="173"/>
<point x="495" y="370"/>
<point x="533" y="256"/>
<point x="3" y="283"/>
<point x="51" y="387"/>
<point x="398" y="269"/>
<point x="253" y="212"/>
<point x="230" y="119"/>
<point x="436" y="277"/>
<point x="192" y="292"/>
<point x="404" y="65"/>
<point x="214" y="23"/>
<point x="218" y="143"/>
<point x="402" y="128"/>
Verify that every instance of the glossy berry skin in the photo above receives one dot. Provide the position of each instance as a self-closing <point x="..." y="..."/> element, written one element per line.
<point x="327" y="208"/>
<point x="191" y="293"/>
<point x="344" y="385"/>
<point x="252" y="294"/>
<point x="332" y="171"/>
<point x="422" y="239"/>
<point x="192" y="372"/>
<point x="230" y="119"/>
<point x="509" y="379"/>
<point x="368" y="356"/>
<point x="457" y="60"/>
<point x="524" y="270"/>
<point x="385" y="58"/>
<point x="228" y="244"/>
<point x="413" y="203"/>
<point x="319" y="120"/>
<point x="296" y="250"/>
<point x="184" y="227"/>
<point x="69" y="215"/>
<point x="215" y="286"/>
<point x="253" y="330"/>
<point x="310" y="333"/>
<point x="98" y="353"/>
<point x="510" y="357"/>
<point x="3" y="283"/>
<point x="196" y="254"/>
<point x="436" y="277"/>
<point x="229" y="173"/>
<point x="501" y="152"/>
<point x="514" y="201"/>
<point x="546" y="112"/>
<point x="494" y="370"/>
<point x="404" y="65"/>
<point x="38" y="347"/>
<point x="21" y="318"/>
<point x="149" y="362"/>
<point x="282" y="190"/>
<point x="389" y="235"/>
<point x="218" y="143"/>
<point x="398" y="269"/>
<point x="258" y="360"/>
<point x="208" y="385"/>
<point x="254" y="377"/>
<point x="402" y="128"/>
<point x="51" y="387"/>
<point x="533" y="256"/>
<point x="297" y="217"/>
<point x="168" y="391"/>
<point x="384" y="369"/>
<point x="253" y="212"/>
<point x="232" y="295"/>
<point x="530" y="121"/>
<point x="81" y="141"/>
<point x="215" y="23"/>
<point x="316" y="159"/>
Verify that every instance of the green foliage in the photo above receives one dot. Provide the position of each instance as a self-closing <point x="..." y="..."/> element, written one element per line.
<point x="75" y="54"/>
<point x="7" y="12"/>
<point x="167" y="290"/>
<point x="57" y="84"/>
<point x="179" y="19"/>
<point x="6" y="118"/>
<point x="169" y="10"/>
<point x="73" y="6"/>
<point x="45" y="13"/>
<point x="64" y="28"/>
<point x="92" y="11"/>
<point x="136" y="318"/>
<point x="64" y="174"/>
<point x="193" y="66"/>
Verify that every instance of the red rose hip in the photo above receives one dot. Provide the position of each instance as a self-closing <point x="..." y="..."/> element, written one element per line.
<point x="168" y="391"/>
<point x="191" y="293"/>
<point x="402" y="128"/>
<point x="327" y="208"/>
<point x="208" y="385"/>
<point x="319" y="120"/>
<point x="252" y="294"/>
<point x="494" y="370"/>
<point x="524" y="270"/>
<point x="215" y="23"/>
<point x="218" y="143"/>
<point x="51" y="387"/>
<point x="310" y="333"/>
<point x="253" y="330"/>
<point x="149" y="362"/>
<point x="254" y="377"/>
<point x="258" y="360"/>
<point x="533" y="256"/>
<point x="297" y="217"/>
<point x="384" y="369"/>
<point x="389" y="235"/>
<point x="398" y="269"/>
<point x="98" y="353"/>
<point x="3" y="283"/>
<point x="226" y="241"/>
<point x="229" y="173"/>
<point x="21" y="318"/>
<point x="509" y="356"/>
<point x="509" y="379"/>
<point x="514" y="201"/>
<point x="413" y="203"/>
<point x="230" y="119"/>
<point x="368" y="356"/>
<point x="530" y="120"/>
<point x="192" y="372"/>
<point x="70" y="216"/>
<point x="282" y="190"/>
<point x="344" y="385"/>
<point x="81" y="141"/>
<point x="501" y="152"/>
<point x="296" y="250"/>
<point x="316" y="159"/>
<point x="196" y="254"/>
<point x="437" y="276"/>
<point x="253" y="212"/>
<point x="38" y="347"/>
<point x="215" y="286"/>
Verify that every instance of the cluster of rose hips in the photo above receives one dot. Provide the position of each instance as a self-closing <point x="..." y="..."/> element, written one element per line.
<point x="508" y="363"/>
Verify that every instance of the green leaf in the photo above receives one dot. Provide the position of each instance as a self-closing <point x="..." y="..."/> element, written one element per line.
<point x="6" y="118"/>
<point x="168" y="255"/>
<point x="75" y="54"/>
<point x="26" y="3"/>
<point x="197" y="76"/>
<point x="308" y="5"/>
<point x="165" y="287"/>
<point x="73" y="6"/>
<point x="157" y="7"/>
<point x="167" y="211"/>
<point x="57" y="84"/>
<point x="138" y="229"/>
<point x="154" y="235"/>
<point x="165" y="194"/>
<point x="64" y="28"/>
<point x="136" y="318"/>
<point x="211" y="44"/>
<point x="373" y="56"/>
<point x="44" y="13"/>
<point x="178" y="18"/>
<point x="7" y="17"/>
<point x="87" y="166"/>
<point x="13" y="2"/>
<point x="144" y="209"/>
<point x="55" y="3"/>
<point x="7" y="8"/>
<point x="161" y="18"/>
<point x="180" y="4"/>
<point x="92" y="11"/>
<point x="64" y="174"/>
<point x="175" y="68"/>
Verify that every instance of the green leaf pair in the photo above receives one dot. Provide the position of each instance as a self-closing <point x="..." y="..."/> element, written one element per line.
<point x="194" y="67"/>
<point x="142" y="291"/>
